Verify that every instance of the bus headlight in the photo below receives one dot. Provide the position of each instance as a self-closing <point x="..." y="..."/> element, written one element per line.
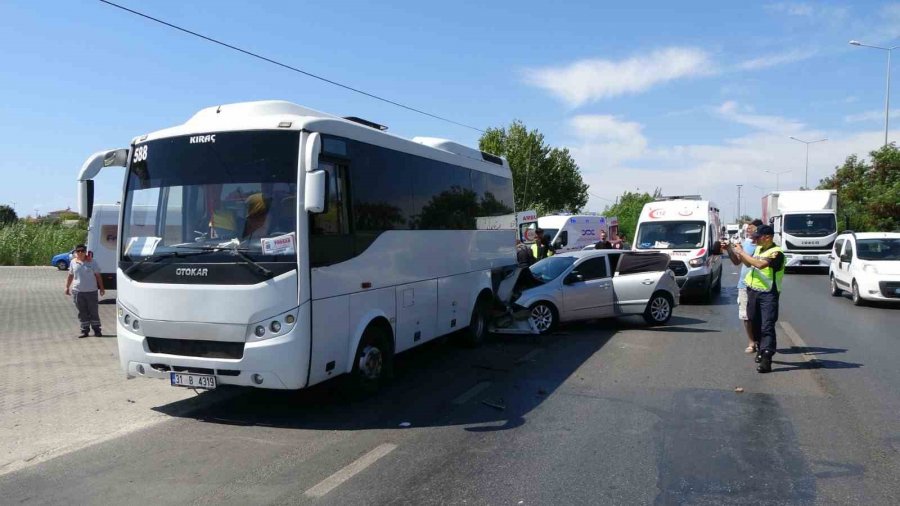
<point x="273" y="326"/>
<point x="127" y="319"/>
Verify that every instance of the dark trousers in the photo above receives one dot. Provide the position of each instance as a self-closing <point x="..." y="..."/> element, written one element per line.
<point x="88" y="312"/>
<point x="762" y="309"/>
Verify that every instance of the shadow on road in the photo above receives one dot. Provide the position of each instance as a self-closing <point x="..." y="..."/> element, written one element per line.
<point x="810" y="350"/>
<point x="433" y="385"/>
<point x="814" y="364"/>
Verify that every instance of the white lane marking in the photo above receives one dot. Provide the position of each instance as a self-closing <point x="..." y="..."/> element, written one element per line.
<point x="351" y="470"/>
<point x="795" y="337"/>
<point x="472" y="392"/>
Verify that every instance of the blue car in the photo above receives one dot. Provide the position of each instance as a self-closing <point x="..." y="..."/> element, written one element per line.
<point x="61" y="261"/>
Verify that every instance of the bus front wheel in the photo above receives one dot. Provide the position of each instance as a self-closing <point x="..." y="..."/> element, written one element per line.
<point x="373" y="362"/>
<point x="475" y="334"/>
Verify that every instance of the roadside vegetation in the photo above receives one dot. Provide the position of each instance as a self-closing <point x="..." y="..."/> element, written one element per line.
<point x="868" y="191"/>
<point x="35" y="242"/>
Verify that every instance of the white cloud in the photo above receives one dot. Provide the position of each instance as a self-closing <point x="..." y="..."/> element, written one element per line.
<point x="792" y="8"/>
<point x="776" y="59"/>
<point x="615" y="156"/>
<point x="732" y="111"/>
<point x="590" y="80"/>
<point x="870" y="116"/>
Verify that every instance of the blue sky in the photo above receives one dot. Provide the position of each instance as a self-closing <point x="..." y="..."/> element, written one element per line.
<point x="692" y="97"/>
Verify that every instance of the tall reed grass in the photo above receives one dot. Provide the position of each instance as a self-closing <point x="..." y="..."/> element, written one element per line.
<point x="36" y="243"/>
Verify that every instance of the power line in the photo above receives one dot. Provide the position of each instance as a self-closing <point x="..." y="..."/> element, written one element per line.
<point x="284" y="65"/>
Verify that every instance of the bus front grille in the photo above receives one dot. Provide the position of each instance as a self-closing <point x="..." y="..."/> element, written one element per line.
<point x="192" y="348"/>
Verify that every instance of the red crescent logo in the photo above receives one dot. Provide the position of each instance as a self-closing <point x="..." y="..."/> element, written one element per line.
<point x="657" y="213"/>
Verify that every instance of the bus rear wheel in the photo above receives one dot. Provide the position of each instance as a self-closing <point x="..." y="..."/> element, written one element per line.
<point x="373" y="362"/>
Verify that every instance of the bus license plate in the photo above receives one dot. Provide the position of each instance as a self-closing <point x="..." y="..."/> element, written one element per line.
<point x="810" y="258"/>
<point x="192" y="380"/>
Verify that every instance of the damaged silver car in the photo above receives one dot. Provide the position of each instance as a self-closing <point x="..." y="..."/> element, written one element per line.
<point x="590" y="284"/>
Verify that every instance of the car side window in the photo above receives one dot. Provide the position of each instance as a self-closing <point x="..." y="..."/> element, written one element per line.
<point x="848" y="252"/>
<point x="594" y="268"/>
<point x="838" y="247"/>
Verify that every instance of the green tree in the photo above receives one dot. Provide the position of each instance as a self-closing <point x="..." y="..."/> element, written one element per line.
<point x="868" y="193"/>
<point x="628" y="209"/>
<point x="545" y="179"/>
<point x="7" y="215"/>
<point x="745" y="219"/>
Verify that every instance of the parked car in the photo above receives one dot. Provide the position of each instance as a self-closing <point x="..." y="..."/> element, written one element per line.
<point x="589" y="284"/>
<point x="61" y="261"/>
<point x="867" y="265"/>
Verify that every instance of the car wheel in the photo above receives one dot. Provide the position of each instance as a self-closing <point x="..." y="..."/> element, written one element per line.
<point x="835" y="291"/>
<point x="475" y="334"/>
<point x="544" y="317"/>
<point x="659" y="309"/>
<point x="373" y="362"/>
<point x="854" y="295"/>
<point x="62" y="265"/>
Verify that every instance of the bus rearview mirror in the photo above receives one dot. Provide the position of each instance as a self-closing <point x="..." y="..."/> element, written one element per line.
<point x="314" y="192"/>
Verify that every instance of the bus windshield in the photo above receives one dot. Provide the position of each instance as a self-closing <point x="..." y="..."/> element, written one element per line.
<point x="229" y="190"/>
<point x="671" y="235"/>
<point x="809" y="225"/>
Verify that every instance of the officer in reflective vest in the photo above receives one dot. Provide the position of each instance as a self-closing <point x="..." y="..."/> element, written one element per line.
<point x="763" y="282"/>
<point x="541" y="248"/>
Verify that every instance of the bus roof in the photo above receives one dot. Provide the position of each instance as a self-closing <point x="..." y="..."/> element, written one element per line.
<point x="278" y="114"/>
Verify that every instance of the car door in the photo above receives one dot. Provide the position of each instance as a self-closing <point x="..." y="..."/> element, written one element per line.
<point x="835" y="258"/>
<point x="845" y="263"/>
<point x="587" y="290"/>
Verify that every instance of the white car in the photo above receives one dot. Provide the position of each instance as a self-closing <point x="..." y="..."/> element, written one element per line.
<point x="867" y="265"/>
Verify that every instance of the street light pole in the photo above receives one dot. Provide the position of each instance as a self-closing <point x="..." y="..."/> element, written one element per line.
<point x="806" y="176"/>
<point x="738" y="204"/>
<point x="887" y="92"/>
<point x="777" y="175"/>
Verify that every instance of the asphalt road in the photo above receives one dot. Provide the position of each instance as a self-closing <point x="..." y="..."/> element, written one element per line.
<point x="607" y="412"/>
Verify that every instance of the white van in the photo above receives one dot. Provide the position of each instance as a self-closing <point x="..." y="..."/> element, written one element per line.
<point x="574" y="232"/>
<point x="689" y="230"/>
<point x="102" y="238"/>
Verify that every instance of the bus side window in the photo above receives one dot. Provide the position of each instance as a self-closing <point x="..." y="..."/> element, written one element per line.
<point x="330" y="239"/>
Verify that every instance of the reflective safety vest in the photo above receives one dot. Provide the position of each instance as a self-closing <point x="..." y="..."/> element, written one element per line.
<point x="535" y="249"/>
<point x="761" y="280"/>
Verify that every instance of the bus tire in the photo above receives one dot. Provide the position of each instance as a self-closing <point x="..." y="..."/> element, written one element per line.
<point x="373" y="362"/>
<point x="477" y="331"/>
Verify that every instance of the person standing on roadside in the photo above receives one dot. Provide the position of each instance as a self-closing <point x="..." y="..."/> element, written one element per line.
<point x="541" y="247"/>
<point x="83" y="283"/>
<point x="749" y="247"/>
<point x="766" y="271"/>
<point x="603" y="243"/>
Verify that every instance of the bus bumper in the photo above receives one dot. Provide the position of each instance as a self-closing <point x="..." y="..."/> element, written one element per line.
<point x="278" y="363"/>
<point x="806" y="260"/>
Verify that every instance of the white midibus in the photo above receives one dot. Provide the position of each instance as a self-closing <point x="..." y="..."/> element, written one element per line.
<point x="290" y="246"/>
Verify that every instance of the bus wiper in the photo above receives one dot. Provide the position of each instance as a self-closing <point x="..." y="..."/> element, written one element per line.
<point x="234" y="250"/>
<point x="160" y="256"/>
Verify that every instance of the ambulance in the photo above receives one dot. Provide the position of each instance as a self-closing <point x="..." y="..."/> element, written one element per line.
<point x="574" y="232"/>
<point x="688" y="229"/>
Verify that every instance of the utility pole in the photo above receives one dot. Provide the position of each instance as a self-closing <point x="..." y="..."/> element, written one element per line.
<point x="738" y="204"/>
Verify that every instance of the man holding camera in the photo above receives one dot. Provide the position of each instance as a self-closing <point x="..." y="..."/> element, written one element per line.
<point x="749" y="246"/>
<point x="763" y="280"/>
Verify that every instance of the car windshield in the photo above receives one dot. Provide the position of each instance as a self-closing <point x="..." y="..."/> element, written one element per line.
<point x="550" y="268"/>
<point x="878" y="249"/>
<point x="229" y="189"/>
<point x="809" y="225"/>
<point x="670" y="235"/>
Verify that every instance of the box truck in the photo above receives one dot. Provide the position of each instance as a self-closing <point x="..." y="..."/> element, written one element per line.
<point x="805" y="224"/>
